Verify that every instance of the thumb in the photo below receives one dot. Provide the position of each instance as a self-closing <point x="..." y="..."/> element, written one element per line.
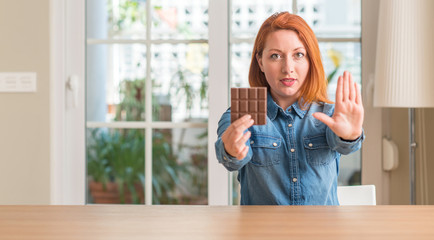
<point x="324" y="118"/>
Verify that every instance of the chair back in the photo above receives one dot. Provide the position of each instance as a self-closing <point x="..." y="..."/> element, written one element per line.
<point x="357" y="195"/>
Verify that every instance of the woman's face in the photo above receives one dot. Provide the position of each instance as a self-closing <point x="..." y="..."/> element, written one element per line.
<point x="285" y="64"/>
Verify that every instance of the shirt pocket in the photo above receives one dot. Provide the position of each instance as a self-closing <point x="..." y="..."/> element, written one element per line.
<point x="266" y="150"/>
<point x="317" y="150"/>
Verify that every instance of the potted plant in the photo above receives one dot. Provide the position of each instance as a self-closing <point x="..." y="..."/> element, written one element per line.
<point x="115" y="166"/>
<point x="116" y="157"/>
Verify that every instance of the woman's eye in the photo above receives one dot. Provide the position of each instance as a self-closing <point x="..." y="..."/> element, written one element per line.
<point x="275" y="56"/>
<point x="299" y="55"/>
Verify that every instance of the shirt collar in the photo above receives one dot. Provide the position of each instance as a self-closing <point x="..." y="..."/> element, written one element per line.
<point x="298" y="109"/>
<point x="273" y="108"/>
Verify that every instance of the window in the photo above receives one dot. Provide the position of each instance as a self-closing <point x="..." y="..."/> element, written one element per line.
<point x="146" y="101"/>
<point x="147" y="79"/>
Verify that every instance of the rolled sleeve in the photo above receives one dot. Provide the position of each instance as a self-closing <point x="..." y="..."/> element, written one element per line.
<point x="231" y="163"/>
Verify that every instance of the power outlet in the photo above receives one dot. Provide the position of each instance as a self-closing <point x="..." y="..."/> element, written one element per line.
<point x="18" y="82"/>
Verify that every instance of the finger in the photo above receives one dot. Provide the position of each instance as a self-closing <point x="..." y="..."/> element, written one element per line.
<point x="359" y="94"/>
<point x="339" y="90"/>
<point x="324" y="118"/>
<point x="345" y="86"/>
<point x="238" y="150"/>
<point x="239" y="145"/>
<point x="242" y="120"/>
<point x="237" y="132"/>
<point x="243" y="123"/>
<point x="243" y="153"/>
<point x="242" y="141"/>
<point x="352" y="95"/>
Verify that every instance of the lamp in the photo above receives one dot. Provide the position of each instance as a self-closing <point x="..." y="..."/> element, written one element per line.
<point x="405" y="62"/>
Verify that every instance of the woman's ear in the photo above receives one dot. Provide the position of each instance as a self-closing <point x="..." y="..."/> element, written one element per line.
<point x="259" y="60"/>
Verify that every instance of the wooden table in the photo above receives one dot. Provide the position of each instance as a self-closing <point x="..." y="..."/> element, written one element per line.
<point x="216" y="222"/>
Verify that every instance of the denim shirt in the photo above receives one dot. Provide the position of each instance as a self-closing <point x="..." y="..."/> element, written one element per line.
<point x="292" y="160"/>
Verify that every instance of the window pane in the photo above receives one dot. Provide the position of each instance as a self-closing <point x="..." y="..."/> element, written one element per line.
<point x="180" y="82"/>
<point x="115" y="82"/>
<point x="236" y="188"/>
<point x="248" y="16"/>
<point x="118" y="19"/>
<point x="180" y="166"/>
<point x="115" y="165"/>
<point x="350" y="169"/>
<point x="179" y="19"/>
<point x="332" y="18"/>
<point x="241" y="55"/>
<point x="338" y="57"/>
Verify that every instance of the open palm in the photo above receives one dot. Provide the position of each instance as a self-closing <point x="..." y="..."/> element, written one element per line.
<point x="347" y="119"/>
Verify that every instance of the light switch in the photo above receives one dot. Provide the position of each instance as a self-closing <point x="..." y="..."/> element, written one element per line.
<point x="17" y="82"/>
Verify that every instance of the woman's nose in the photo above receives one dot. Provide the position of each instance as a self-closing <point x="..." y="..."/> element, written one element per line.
<point x="287" y="66"/>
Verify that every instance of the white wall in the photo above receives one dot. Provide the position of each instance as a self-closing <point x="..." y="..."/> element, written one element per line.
<point x="24" y="117"/>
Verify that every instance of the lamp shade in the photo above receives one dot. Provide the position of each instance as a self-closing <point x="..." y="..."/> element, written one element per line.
<point x="405" y="54"/>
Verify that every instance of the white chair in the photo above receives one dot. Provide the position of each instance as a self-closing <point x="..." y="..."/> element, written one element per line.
<point x="357" y="195"/>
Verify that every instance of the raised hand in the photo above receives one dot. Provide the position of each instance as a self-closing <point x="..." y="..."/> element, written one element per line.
<point x="234" y="138"/>
<point x="347" y="119"/>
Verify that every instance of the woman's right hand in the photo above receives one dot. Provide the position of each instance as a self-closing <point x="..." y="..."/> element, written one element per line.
<point x="234" y="139"/>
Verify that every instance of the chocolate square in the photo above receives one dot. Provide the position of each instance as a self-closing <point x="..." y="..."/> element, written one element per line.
<point x="251" y="101"/>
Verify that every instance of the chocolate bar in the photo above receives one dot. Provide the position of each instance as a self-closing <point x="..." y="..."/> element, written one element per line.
<point x="251" y="101"/>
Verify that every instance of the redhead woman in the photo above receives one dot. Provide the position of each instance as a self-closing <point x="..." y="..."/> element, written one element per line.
<point x="294" y="158"/>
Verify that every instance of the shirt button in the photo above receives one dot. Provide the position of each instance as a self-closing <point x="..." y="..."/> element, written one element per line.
<point x="251" y="142"/>
<point x="292" y="150"/>
<point x="310" y="144"/>
<point x="275" y="144"/>
<point x="289" y="125"/>
<point x="294" y="180"/>
<point x="225" y="158"/>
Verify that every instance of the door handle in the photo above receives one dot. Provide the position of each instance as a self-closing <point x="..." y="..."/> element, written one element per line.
<point x="73" y="85"/>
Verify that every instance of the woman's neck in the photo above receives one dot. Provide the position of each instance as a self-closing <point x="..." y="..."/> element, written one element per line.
<point x="284" y="102"/>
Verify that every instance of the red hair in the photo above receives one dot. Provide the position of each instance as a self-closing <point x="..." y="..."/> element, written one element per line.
<point x="314" y="88"/>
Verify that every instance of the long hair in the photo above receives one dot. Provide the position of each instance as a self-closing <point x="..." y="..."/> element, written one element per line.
<point x="314" y="88"/>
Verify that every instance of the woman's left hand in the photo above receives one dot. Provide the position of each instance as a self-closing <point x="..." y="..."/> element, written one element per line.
<point x="347" y="119"/>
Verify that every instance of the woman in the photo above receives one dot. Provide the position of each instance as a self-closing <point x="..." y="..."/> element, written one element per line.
<point x="294" y="158"/>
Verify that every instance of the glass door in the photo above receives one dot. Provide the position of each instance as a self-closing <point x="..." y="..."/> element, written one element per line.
<point x="147" y="101"/>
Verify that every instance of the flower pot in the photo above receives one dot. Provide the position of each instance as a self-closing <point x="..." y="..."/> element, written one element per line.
<point x="111" y="195"/>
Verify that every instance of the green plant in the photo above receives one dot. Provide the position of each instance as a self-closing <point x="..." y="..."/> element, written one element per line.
<point x="185" y="89"/>
<point x="117" y="156"/>
<point x="166" y="169"/>
<point x="132" y="106"/>
<point x="97" y="163"/>
<point x="127" y="161"/>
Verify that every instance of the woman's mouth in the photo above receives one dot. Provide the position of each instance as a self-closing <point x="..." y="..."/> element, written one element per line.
<point x="288" y="81"/>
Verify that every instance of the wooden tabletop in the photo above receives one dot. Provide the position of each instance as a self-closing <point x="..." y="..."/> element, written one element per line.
<point x="216" y="222"/>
